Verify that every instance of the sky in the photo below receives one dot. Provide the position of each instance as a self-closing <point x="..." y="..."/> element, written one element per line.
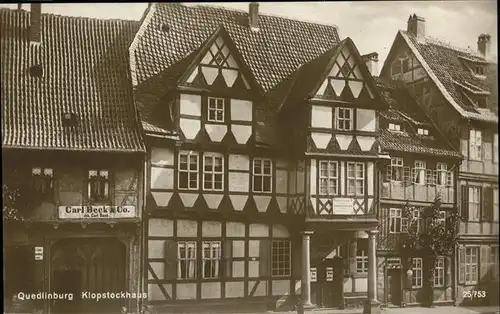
<point x="371" y="25"/>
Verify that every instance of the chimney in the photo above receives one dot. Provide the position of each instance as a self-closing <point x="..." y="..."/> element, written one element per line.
<point x="371" y="61"/>
<point x="253" y="16"/>
<point x="35" y="22"/>
<point x="416" y="26"/>
<point x="484" y="44"/>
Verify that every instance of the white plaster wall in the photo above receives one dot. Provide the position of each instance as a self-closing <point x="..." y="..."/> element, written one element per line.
<point x="211" y="229"/>
<point x="313" y="177"/>
<point x="235" y="229"/>
<point x="238" y="269"/>
<point x="190" y="104"/>
<point x="348" y="284"/>
<point x="211" y="290"/>
<point x="155" y="294"/>
<point x="321" y="117"/>
<point x="279" y="231"/>
<point x="241" y="110"/>
<point x="162" y="156"/>
<point x="186" y="291"/>
<point x="281" y="287"/>
<point x="281" y="181"/>
<point x="161" y="227"/>
<point x="156" y="248"/>
<point x="259" y="230"/>
<point x="253" y="269"/>
<point x="238" y="248"/>
<point x="239" y="162"/>
<point x="370" y="177"/>
<point x="187" y="228"/>
<point x="235" y="289"/>
<point x="239" y="182"/>
<point x="361" y="284"/>
<point x="162" y="178"/>
<point x="261" y="290"/>
<point x="253" y="248"/>
<point x="159" y="269"/>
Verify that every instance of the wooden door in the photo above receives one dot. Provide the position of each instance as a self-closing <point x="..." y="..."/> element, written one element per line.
<point x="394" y="287"/>
<point x="96" y="265"/>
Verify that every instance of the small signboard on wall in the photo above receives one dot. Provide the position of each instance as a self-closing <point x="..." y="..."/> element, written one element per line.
<point x="38" y="253"/>
<point x="343" y="206"/>
<point x="314" y="274"/>
<point x="329" y="274"/>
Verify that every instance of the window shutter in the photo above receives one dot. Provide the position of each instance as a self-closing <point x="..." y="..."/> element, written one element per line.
<point x="388" y="173"/>
<point x="461" y="265"/>
<point x="464" y="208"/>
<point x="484" y="263"/>
<point x="429" y="178"/>
<point x="170" y="259"/>
<point x="488" y="204"/>
<point x="447" y="266"/>
<point x="228" y="254"/>
<point x="449" y="178"/>
<point x="482" y="207"/>
<point x="407" y="175"/>
<point x="412" y="175"/>
<point x="265" y="258"/>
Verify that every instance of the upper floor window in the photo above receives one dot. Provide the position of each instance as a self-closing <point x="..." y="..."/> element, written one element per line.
<point x="281" y="261"/>
<point x="475" y="144"/>
<point x="419" y="172"/>
<point x="344" y="119"/>
<point x="417" y="276"/>
<point x="188" y="171"/>
<point x="355" y="178"/>
<point x="213" y="172"/>
<point x="495" y="204"/>
<point x="397" y="222"/>
<point x="395" y="170"/>
<point x="474" y="203"/>
<point x="186" y="262"/>
<point x="479" y="70"/>
<point x="211" y="258"/>
<point x="495" y="147"/>
<point x="442" y="173"/>
<point x="405" y="64"/>
<point x="394" y="127"/>
<point x="98" y="185"/>
<point x="262" y="175"/>
<point x="416" y="220"/>
<point x="422" y="131"/>
<point x="216" y="109"/>
<point x="471" y="265"/>
<point x="328" y="178"/>
<point x="43" y="182"/>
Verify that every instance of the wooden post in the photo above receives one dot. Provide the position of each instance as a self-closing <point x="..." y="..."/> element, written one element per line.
<point x="372" y="305"/>
<point x="306" y="305"/>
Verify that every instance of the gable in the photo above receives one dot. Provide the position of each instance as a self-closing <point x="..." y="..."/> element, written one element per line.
<point x="345" y="79"/>
<point x="219" y="67"/>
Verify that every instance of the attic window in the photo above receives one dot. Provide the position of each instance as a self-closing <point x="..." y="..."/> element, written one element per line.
<point x="165" y="27"/>
<point x="70" y="119"/>
<point x="394" y="127"/>
<point x="479" y="70"/>
<point x="423" y="131"/>
<point x="481" y="102"/>
<point x="36" y="71"/>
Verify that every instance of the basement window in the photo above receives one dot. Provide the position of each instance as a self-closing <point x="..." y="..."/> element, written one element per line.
<point x="36" y="71"/>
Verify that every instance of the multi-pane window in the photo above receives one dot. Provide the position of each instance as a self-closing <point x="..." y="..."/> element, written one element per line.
<point x="442" y="216"/>
<point x="495" y="147"/>
<point x="422" y="131"/>
<point x="397" y="222"/>
<point x="394" y="127"/>
<point x="281" y="258"/>
<point x="395" y="171"/>
<point x="474" y="203"/>
<point x="494" y="262"/>
<point x="361" y="256"/>
<point x="211" y="259"/>
<point x="186" y="262"/>
<point x="215" y="109"/>
<point x="98" y="185"/>
<point x="213" y="172"/>
<point x="419" y="172"/>
<point x="471" y="265"/>
<point x="43" y="182"/>
<point x="495" y="204"/>
<point x="475" y="144"/>
<point x="344" y="119"/>
<point x="439" y="272"/>
<point x="328" y="178"/>
<point x="416" y="267"/>
<point x="262" y="175"/>
<point x="355" y="178"/>
<point x="442" y="173"/>
<point x="479" y="70"/>
<point x="188" y="171"/>
<point x="416" y="220"/>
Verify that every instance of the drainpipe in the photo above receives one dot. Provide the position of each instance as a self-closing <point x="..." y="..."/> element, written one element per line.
<point x="143" y="233"/>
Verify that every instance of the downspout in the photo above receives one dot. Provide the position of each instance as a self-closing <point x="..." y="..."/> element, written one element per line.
<point x="144" y="234"/>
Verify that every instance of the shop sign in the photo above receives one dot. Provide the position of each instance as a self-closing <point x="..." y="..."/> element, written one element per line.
<point x="343" y="206"/>
<point x="96" y="212"/>
<point x="314" y="274"/>
<point x="329" y="274"/>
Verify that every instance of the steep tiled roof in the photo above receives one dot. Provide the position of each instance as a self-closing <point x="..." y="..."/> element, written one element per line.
<point x="405" y="110"/>
<point x="172" y="31"/>
<point x="85" y="71"/>
<point x="445" y="65"/>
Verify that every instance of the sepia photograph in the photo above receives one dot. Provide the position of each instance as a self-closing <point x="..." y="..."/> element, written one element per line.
<point x="335" y="157"/>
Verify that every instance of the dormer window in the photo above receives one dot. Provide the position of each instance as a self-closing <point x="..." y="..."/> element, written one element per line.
<point x="481" y="102"/>
<point x="479" y="70"/>
<point x="216" y="109"/>
<point x="422" y="131"/>
<point x="394" y="127"/>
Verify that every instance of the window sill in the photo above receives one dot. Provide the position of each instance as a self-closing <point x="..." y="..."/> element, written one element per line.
<point x="262" y="192"/>
<point x="215" y="122"/>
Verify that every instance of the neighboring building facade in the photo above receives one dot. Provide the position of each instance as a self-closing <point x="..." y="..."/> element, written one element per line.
<point x="423" y="166"/>
<point x="262" y="146"/>
<point x="72" y="144"/>
<point x="458" y="89"/>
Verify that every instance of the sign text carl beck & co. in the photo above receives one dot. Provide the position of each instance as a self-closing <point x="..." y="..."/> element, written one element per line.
<point x="96" y="212"/>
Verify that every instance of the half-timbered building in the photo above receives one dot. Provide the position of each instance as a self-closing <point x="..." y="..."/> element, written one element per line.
<point x="262" y="138"/>
<point x="72" y="150"/>
<point x="422" y="169"/>
<point x="458" y="89"/>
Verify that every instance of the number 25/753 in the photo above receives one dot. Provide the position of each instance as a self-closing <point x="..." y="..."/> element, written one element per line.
<point x="473" y="294"/>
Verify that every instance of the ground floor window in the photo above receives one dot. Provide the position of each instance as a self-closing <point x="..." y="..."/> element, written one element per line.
<point x="471" y="265"/>
<point x="281" y="258"/>
<point x="417" y="268"/>
<point x="361" y="256"/>
<point x="211" y="259"/>
<point x="439" y="272"/>
<point x="186" y="264"/>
